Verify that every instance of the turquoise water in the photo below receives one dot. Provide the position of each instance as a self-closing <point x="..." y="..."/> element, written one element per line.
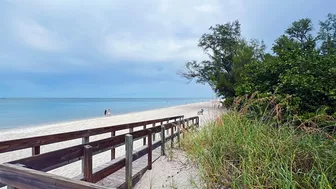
<point x="22" y="112"/>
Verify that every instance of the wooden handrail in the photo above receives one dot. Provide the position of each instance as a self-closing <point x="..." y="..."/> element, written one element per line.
<point x="20" y="177"/>
<point x="18" y="144"/>
<point x="51" y="160"/>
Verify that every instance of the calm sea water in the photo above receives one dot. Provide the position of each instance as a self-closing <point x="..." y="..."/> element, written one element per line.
<point x="22" y="112"/>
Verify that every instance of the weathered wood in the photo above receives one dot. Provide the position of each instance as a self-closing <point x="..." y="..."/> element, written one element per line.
<point x="178" y="135"/>
<point x="85" y="140"/>
<point x="167" y="129"/>
<point x="117" y="179"/>
<point x="144" y="139"/>
<point x="119" y="163"/>
<point x="172" y="139"/>
<point x="163" y="140"/>
<point x="150" y="150"/>
<point x="20" y="177"/>
<point x="129" y="160"/>
<point x="88" y="163"/>
<point x="17" y="144"/>
<point x="113" y="149"/>
<point x="97" y="147"/>
<point x="154" y="133"/>
<point x="36" y="150"/>
<point x="58" y="158"/>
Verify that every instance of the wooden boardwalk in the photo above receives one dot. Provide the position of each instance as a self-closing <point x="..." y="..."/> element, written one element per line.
<point x="30" y="172"/>
<point x="139" y="167"/>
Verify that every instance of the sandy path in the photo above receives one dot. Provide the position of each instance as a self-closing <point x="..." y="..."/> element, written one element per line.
<point x="75" y="168"/>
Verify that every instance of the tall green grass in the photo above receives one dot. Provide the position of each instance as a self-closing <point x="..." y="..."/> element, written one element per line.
<point x="243" y="154"/>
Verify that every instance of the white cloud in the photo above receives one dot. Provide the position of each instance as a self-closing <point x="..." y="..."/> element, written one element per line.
<point x="128" y="47"/>
<point x="170" y="30"/>
<point x="35" y="35"/>
<point x="150" y="31"/>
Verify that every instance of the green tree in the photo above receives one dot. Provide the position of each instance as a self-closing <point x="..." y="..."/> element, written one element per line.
<point x="299" y="68"/>
<point x="227" y="54"/>
<point x="327" y="35"/>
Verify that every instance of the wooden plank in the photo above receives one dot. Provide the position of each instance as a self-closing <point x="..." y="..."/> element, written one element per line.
<point x="68" y="155"/>
<point x="20" y="177"/>
<point x="154" y="133"/>
<point x="51" y="160"/>
<point x="17" y="144"/>
<point x="150" y="149"/>
<point x="113" y="166"/>
<point x="113" y="149"/>
<point x="129" y="160"/>
<point x="144" y="139"/>
<point x="88" y="163"/>
<point x="178" y="136"/>
<point x="85" y="140"/>
<point x="36" y="150"/>
<point x="172" y="139"/>
<point x="139" y="167"/>
<point x="163" y="141"/>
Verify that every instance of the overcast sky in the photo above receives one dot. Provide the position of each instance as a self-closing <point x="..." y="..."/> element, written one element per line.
<point x="125" y="48"/>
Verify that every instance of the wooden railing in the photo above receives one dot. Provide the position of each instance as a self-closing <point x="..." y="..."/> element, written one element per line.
<point x="36" y="142"/>
<point x="55" y="159"/>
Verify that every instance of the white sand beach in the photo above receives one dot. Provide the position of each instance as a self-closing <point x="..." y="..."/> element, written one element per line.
<point x="74" y="169"/>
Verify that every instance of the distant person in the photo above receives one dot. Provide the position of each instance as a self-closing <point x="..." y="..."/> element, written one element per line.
<point x="108" y="112"/>
<point x="105" y="112"/>
<point x="200" y="112"/>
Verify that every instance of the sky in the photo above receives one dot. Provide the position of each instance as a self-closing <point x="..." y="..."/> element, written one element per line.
<point x="125" y="48"/>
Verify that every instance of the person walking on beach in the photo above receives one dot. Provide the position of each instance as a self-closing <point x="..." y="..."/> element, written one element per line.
<point x="108" y="112"/>
<point x="105" y="112"/>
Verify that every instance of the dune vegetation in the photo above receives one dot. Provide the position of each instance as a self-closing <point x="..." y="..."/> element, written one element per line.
<point x="280" y="132"/>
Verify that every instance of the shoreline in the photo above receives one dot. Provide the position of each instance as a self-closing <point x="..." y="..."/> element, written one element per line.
<point x="74" y="169"/>
<point x="87" y="119"/>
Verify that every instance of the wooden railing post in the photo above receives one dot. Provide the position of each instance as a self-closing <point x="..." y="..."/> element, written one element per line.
<point x="129" y="160"/>
<point x="178" y="134"/>
<point x="113" y="149"/>
<point x="130" y="130"/>
<point x="187" y="127"/>
<point x="88" y="163"/>
<point x="175" y="121"/>
<point x="182" y="127"/>
<point x="149" y="149"/>
<point x="154" y="133"/>
<point x="144" y="139"/>
<point x="167" y="129"/>
<point x="172" y="136"/>
<point x="35" y="150"/>
<point x="163" y="140"/>
<point x="85" y="140"/>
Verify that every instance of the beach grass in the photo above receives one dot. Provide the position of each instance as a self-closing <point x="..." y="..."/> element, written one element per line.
<point x="239" y="153"/>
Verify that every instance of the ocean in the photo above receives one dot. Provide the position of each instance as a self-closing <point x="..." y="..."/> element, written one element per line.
<point x="24" y="112"/>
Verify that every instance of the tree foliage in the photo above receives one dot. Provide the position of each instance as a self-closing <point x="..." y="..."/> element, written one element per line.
<point x="227" y="53"/>
<point x="302" y="65"/>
